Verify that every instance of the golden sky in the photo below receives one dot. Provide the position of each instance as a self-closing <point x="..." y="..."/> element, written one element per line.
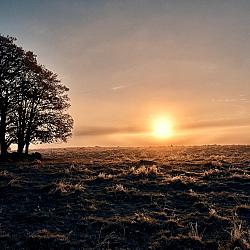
<point x="130" y="62"/>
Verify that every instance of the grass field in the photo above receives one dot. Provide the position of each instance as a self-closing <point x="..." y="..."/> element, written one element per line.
<point x="128" y="198"/>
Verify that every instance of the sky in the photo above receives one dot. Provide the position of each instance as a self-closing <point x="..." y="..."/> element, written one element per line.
<point x="129" y="62"/>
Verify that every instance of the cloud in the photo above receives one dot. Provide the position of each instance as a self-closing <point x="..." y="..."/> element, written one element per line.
<point x="118" y="87"/>
<point x="242" y="98"/>
<point x="216" y="124"/>
<point x="97" y="131"/>
<point x="199" y="125"/>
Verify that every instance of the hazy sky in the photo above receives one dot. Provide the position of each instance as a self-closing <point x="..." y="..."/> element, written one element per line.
<point x="129" y="61"/>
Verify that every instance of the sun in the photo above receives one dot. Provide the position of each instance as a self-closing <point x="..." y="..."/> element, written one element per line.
<point x="162" y="128"/>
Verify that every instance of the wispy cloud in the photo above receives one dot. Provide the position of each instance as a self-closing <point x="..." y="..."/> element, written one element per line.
<point x="216" y="123"/>
<point x="115" y="88"/>
<point x="97" y="131"/>
<point x="237" y="99"/>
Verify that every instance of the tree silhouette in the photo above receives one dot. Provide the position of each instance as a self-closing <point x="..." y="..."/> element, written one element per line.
<point x="33" y="102"/>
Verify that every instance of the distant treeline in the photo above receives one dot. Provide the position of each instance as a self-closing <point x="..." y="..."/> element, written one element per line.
<point x="33" y="102"/>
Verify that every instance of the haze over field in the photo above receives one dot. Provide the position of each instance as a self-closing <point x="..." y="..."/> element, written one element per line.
<point x="130" y="64"/>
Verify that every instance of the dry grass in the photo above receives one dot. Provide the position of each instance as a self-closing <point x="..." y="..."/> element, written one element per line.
<point x="145" y="170"/>
<point x="5" y="173"/>
<point x="64" y="187"/>
<point x="46" y="234"/>
<point x="216" y="164"/>
<point x="92" y="198"/>
<point x="38" y="163"/>
<point x="210" y="172"/>
<point x="212" y="212"/>
<point x="142" y="217"/>
<point x="104" y="176"/>
<point x="15" y="182"/>
<point x="119" y="188"/>
<point x="239" y="235"/>
<point x="194" y="233"/>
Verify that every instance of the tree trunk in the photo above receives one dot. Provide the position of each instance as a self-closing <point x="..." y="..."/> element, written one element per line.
<point x="4" y="150"/>
<point x="3" y="143"/>
<point x="20" y="147"/>
<point x="27" y="148"/>
<point x="28" y="136"/>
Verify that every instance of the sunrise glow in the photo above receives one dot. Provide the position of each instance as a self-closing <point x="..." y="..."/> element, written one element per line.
<point x="142" y="73"/>
<point x="162" y="128"/>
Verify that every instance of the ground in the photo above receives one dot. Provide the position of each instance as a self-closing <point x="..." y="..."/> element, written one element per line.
<point x="128" y="198"/>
